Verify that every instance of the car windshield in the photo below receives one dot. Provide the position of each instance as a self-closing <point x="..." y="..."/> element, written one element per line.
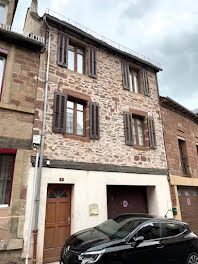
<point x="120" y="227"/>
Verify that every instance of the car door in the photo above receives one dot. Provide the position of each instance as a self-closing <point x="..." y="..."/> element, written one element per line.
<point x="147" y="251"/>
<point x="175" y="245"/>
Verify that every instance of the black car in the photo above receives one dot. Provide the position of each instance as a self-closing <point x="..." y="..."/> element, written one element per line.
<point x="132" y="238"/>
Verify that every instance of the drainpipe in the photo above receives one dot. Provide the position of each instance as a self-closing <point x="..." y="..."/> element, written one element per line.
<point x="32" y="208"/>
<point x="35" y="231"/>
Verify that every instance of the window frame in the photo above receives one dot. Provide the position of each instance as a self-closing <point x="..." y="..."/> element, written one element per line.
<point x="3" y="54"/>
<point x="77" y="101"/>
<point x="131" y="72"/>
<point x="9" y="152"/>
<point x="76" y="47"/>
<point x="142" y="119"/>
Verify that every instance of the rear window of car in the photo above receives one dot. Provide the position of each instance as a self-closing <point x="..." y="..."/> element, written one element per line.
<point x="171" y="229"/>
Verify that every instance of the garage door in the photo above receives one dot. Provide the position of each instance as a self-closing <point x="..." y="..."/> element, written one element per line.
<point x="188" y="198"/>
<point x="126" y="199"/>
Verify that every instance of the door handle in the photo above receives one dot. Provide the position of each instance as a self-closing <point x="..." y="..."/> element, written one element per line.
<point x="160" y="247"/>
<point x="69" y="220"/>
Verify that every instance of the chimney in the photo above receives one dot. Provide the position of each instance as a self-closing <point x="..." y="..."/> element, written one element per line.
<point x="34" y="6"/>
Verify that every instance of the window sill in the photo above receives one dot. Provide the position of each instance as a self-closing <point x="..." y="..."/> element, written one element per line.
<point x="75" y="137"/>
<point x="4" y="205"/>
<point x="143" y="148"/>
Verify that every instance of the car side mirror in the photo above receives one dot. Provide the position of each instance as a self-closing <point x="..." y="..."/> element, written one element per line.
<point x="138" y="240"/>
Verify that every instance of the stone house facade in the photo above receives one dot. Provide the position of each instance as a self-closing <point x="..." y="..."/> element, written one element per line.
<point x="19" y="64"/>
<point x="104" y="150"/>
<point x="181" y="141"/>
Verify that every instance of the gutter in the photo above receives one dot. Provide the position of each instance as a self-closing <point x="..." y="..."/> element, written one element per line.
<point x="35" y="232"/>
<point x="7" y="34"/>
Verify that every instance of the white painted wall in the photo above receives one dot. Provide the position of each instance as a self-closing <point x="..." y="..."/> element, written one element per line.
<point x="89" y="187"/>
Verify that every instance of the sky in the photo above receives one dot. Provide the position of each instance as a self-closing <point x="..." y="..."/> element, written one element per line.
<point x="165" y="31"/>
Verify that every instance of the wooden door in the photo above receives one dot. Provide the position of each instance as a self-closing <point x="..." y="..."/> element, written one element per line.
<point x="188" y="199"/>
<point x="126" y="199"/>
<point x="57" y="221"/>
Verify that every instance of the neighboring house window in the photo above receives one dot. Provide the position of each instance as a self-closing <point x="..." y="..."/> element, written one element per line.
<point x="183" y="156"/>
<point x="132" y="78"/>
<point x="72" y="56"/>
<point x="2" y="71"/>
<point x="134" y="81"/>
<point x="76" y="58"/>
<point x="69" y="116"/>
<point x="75" y="118"/>
<point x="138" y="131"/>
<point x="135" y="127"/>
<point x="7" y="160"/>
<point x="3" y="13"/>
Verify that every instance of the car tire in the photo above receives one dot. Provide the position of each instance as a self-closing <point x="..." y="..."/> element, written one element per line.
<point x="192" y="258"/>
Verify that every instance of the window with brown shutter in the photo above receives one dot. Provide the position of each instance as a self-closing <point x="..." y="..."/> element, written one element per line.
<point x="152" y="135"/>
<point x="145" y="82"/>
<point x="59" y="115"/>
<point x="94" y="121"/>
<point x="125" y="75"/>
<point x="62" y="53"/>
<point x="128" y="128"/>
<point x="92" y="62"/>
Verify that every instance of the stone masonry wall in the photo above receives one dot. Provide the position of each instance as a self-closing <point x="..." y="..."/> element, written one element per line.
<point x="16" y="122"/>
<point x="176" y="125"/>
<point x="107" y="90"/>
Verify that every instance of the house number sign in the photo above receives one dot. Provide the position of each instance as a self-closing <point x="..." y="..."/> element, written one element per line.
<point x="188" y="201"/>
<point x="125" y="203"/>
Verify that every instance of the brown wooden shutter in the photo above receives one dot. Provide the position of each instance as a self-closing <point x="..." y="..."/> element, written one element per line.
<point x="128" y="128"/>
<point x="62" y="52"/>
<point x="59" y="115"/>
<point x="125" y="75"/>
<point x="94" y="121"/>
<point x="145" y="82"/>
<point x="151" y="130"/>
<point x="92" y="62"/>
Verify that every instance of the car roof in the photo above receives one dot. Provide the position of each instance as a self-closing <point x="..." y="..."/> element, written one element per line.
<point x="150" y="218"/>
<point x="135" y="215"/>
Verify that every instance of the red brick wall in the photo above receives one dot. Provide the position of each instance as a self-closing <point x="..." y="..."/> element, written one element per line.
<point x="173" y="124"/>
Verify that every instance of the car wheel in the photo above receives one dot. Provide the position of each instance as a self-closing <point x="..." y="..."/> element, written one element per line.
<point x="192" y="258"/>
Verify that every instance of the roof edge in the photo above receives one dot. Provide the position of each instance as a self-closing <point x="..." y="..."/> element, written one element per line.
<point x="53" y="20"/>
<point x="172" y="104"/>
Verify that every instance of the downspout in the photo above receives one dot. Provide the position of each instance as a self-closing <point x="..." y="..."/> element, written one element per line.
<point x="32" y="209"/>
<point x="35" y="232"/>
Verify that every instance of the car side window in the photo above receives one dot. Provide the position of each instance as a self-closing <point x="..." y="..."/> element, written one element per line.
<point x="151" y="231"/>
<point x="171" y="229"/>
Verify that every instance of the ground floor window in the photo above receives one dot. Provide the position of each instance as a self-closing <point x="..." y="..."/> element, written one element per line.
<point x="7" y="160"/>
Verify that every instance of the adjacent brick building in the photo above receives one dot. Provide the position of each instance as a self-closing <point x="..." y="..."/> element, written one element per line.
<point x="19" y="65"/>
<point x="181" y="142"/>
<point x="104" y="148"/>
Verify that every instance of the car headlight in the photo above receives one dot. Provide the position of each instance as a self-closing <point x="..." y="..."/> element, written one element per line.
<point x="91" y="257"/>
